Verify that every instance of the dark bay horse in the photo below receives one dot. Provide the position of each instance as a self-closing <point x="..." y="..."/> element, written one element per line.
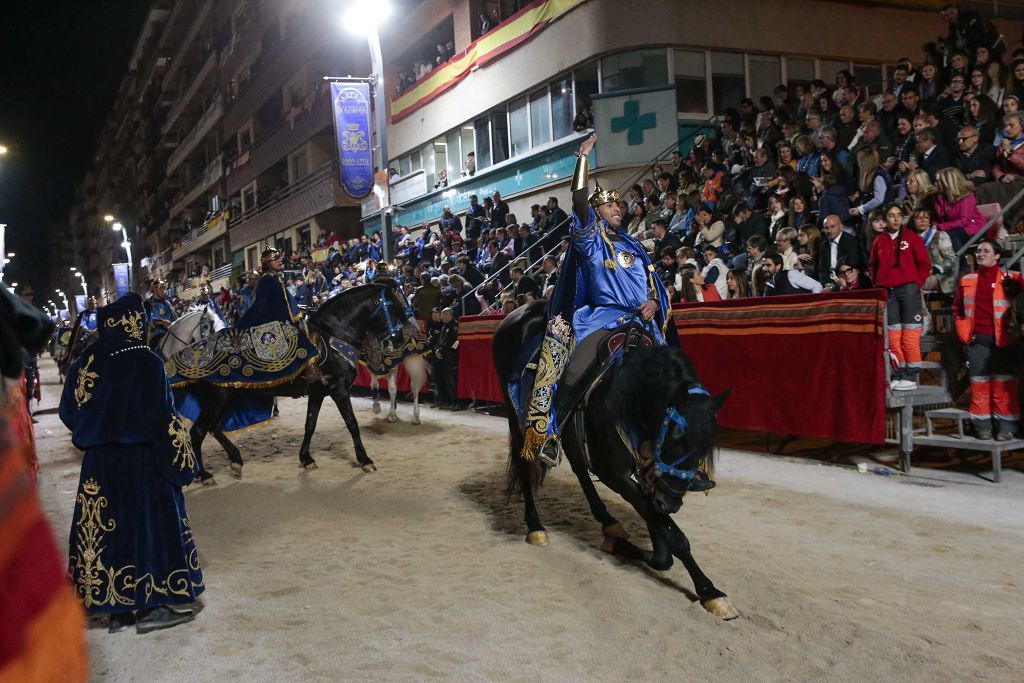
<point x="652" y="394"/>
<point x="375" y="309"/>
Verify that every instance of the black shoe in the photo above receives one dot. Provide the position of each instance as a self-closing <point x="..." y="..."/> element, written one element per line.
<point x="161" y="617"/>
<point x="458" y="407"/>
<point x="1004" y="436"/>
<point x="119" y="622"/>
<point x="982" y="434"/>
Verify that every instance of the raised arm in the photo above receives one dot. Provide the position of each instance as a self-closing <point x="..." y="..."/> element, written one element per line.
<point x="581" y="180"/>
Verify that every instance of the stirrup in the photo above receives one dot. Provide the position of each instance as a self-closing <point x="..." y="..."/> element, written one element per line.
<point x="550" y="452"/>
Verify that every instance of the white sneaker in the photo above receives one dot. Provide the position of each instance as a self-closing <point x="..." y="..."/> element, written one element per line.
<point x="904" y="385"/>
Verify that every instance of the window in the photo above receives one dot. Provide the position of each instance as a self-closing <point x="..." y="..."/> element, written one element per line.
<point x="453" y="155"/>
<point x="250" y="255"/>
<point x="405" y="165"/>
<point x="499" y="136"/>
<point x="518" y="126"/>
<point x="765" y="75"/>
<point x="468" y="145"/>
<point x="415" y="161"/>
<point x="869" y="78"/>
<point x="728" y="86"/>
<point x="304" y="235"/>
<point x="691" y="81"/>
<point x="561" y="107"/>
<point x="635" y="69"/>
<point x="586" y="81"/>
<point x="298" y="165"/>
<point x="245" y="138"/>
<point x="249" y="197"/>
<point x="829" y="69"/>
<point x="540" y="117"/>
<point x="427" y="155"/>
<point x="482" y="129"/>
<point x="799" y="71"/>
<point x="441" y="162"/>
<point x="218" y="256"/>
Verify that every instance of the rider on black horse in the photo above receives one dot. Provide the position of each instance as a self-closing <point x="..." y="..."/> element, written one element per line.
<point x="607" y="283"/>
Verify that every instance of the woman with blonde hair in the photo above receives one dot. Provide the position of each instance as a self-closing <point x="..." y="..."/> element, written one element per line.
<point x="872" y="183"/>
<point x="920" y="193"/>
<point x="808" y="240"/>
<point x="956" y="210"/>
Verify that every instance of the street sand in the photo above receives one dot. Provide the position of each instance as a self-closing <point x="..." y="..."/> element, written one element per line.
<point x="419" y="571"/>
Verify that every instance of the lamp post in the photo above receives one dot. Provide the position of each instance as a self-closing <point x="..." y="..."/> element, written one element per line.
<point x="4" y="260"/>
<point x="85" y="289"/>
<point x="364" y="16"/>
<point x="125" y="242"/>
<point x="65" y="297"/>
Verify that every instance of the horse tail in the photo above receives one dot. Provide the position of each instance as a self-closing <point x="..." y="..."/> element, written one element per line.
<point x="519" y="469"/>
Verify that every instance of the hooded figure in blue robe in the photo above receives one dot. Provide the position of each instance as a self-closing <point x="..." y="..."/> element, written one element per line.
<point x="131" y="554"/>
<point x="606" y="281"/>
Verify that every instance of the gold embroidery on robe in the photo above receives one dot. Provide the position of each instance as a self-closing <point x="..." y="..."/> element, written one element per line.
<point x="184" y="457"/>
<point x="86" y="380"/>
<point x="131" y="323"/>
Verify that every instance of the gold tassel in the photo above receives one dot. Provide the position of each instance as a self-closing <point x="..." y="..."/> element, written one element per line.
<point x="532" y="443"/>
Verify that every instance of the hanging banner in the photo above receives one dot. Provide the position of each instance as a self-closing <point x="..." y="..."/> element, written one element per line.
<point x="351" y="102"/>
<point x="121" y="279"/>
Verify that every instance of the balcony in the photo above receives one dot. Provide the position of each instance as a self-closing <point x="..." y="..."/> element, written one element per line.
<point x="205" y="124"/>
<point x="213" y="173"/>
<point x="190" y="35"/>
<point x="276" y="144"/>
<point x="297" y="202"/>
<point x="182" y="104"/>
<point x="203" y="235"/>
<point x="219" y="277"/>
<point x="277" y="66"/>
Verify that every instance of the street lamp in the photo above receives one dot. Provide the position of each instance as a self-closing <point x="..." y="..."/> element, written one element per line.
<point x="65" y="297"/>
<point x="3" y="150"/>
<point x="85" y="289"/>
<point x="365" y="16"/>
<point x="125" y="242"/>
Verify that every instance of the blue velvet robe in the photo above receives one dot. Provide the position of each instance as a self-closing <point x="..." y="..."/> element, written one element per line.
<point x="89" y="320"/>
<point x="131" y="544"/>
<point x="158" y="309"/>
<point x="592" y="294"/>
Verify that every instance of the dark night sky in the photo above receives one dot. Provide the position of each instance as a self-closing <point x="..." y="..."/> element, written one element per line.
<point x="60" y="68"/>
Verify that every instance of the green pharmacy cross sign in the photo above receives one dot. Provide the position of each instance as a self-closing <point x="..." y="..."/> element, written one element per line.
<point x="633" y="122"/>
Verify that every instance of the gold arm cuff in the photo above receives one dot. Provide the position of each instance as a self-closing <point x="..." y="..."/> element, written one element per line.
<point x="581" y="174"/>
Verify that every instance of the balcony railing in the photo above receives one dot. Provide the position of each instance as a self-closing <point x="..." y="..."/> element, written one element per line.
<point x="190" y="92"/>
<point x="277" y="143"/>
<point x="293" y="204"/>
<point x="213" y="173"/>
<point x="197" y="23"/>
<point x="202" y="127"/>
<point x="204" y="234"/>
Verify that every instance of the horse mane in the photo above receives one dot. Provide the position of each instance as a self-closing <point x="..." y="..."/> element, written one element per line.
<point x="338" y="303"/>
<point x="651" y="380"/>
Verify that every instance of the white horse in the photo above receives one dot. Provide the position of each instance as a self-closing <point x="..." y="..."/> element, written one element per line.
<point x="190" y="328"/>
<point x="379" y="358"/>
<point x="416" y="367"/>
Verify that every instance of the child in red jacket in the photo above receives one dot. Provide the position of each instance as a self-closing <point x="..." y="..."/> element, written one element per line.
<point x="900" y="264"/>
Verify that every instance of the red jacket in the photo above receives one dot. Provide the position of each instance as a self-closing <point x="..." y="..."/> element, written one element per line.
<point x="915" y="265"/>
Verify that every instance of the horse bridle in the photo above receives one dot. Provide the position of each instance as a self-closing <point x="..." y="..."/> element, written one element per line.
<point x="672" y="416"/>
<point x="395" y="327"/>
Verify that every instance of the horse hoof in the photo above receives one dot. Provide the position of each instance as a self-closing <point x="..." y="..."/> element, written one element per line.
<point x="236" y="470"/>
<point x="392" y="418"/>
<point x="311" y="466"/>
<point x="416" y="419"/>
<point x="722" y="608"/>
<point x="376" y="408"/>
<point x="608" y="546"/>
<point x="537" y="538"/>
<point x="209" y="481"/>
<point x="613" y="531"/>
<point x="369" y="467"/>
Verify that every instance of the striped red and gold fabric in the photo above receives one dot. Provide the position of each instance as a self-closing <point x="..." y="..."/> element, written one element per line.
<point x="803" y="365"/>
<point x="507" y="36"/>
<point x="478" y="381"/>
<point x="42" y="629"/>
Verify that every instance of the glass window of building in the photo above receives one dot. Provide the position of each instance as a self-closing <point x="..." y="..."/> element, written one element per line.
<point x="453" y="154"/>
<point x="828" y="69"/>
<point x="691" y="81"/>
<point x="298" y="165"/>
<point x="585" y="84"/>
<point x="540" y="117"/>
<point x="634" y="69"/>
<point x="518" y="126"/>
<point x="427" y="155"/>
<point x="869" y="78"/>
<point x="405" y="165"/>
<point x="765" y="75"/>
<point x="440" y="162"/>
<point x="468" y="145"/>
<point x="728" y="85"/>
<point x="561" y="107"/>
<point x="482" y="128"/>
<point x="415" y="161"/>
<point x="499" y="136"/>
<point x="799" y="71"/>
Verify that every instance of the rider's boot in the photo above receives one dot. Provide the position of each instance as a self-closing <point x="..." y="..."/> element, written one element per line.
<point x="566" y="398"/>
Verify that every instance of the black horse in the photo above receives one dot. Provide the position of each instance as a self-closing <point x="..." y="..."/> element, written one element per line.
<point x="343" y="324"/>
<point x="653" y="394"/>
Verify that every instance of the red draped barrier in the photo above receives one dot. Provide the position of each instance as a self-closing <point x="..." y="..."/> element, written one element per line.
<point x="809" y="365"/>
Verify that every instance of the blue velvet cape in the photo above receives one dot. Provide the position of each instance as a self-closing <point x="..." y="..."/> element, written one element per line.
<point x="131" y="544"/>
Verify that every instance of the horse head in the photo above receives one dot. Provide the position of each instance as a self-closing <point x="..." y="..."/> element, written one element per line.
<point x="376" y="309"/>
<point x="658" y="398"/>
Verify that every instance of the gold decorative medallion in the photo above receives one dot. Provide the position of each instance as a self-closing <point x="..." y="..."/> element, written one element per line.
<point x="626" y="259"/>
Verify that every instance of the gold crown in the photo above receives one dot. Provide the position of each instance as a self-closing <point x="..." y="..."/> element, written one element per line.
<point x="270" y="254"/>
<point x="601" y="196"/>
<point x="91" y="487"/>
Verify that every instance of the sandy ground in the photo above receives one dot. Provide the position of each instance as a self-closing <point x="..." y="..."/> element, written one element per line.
<point x="419" y="571"/>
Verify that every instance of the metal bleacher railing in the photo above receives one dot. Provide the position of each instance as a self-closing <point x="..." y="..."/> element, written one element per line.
<point x="643" y="171"/>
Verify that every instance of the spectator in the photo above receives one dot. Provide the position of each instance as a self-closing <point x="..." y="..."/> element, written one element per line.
<point x="838" y="244"/>
<point x="952" y="104"/>
<point x="940" y="250"/>
<point x="983" y="114"/>
<point x="982" y="86"/>
<point x="449" y="222"/>
<point x="499" y="213"/>
<point x="984" y="325"/>
<point x="748" y="224"/>
<point x="931" y="86"/>
<point x="974" y="159"/>
<point x="808" y="239"/>
<point x="933" y="157"/>
<point x="737" y="284"/>
<point x="548" y="276"/>
<point x="798" y="213"/>
<point x="756" y="248"/>
<point x="919" y="192"/>
<point x="1008" y="169"/>
<point x="874" y="183"/>
<point x="779" y="281"/>
<point x="851" y="278"/>
<point x="968" y="31"/>
<point x="557" y="218"/>
<point x="711" y="229"/>
<point x="832" y="199"/>
<point x="463" y="303"/>
<point x="956" y="211"/>
<point x="663" y="239"/>
<point x="426" y="298"/>
<point x="874" y="227"/>
<point x="900" y="263"/>
<point x="715" y="272"/>
<point x="785" y="242"/>
<point x="777" y="216"/>
<point x="522" y="285"/>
